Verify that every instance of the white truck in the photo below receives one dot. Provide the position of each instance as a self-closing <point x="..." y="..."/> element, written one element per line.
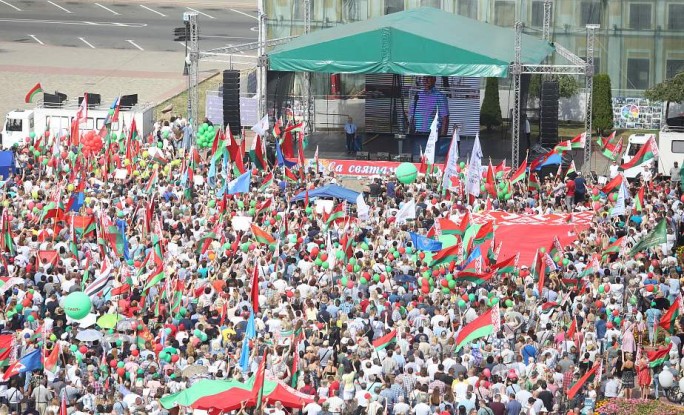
<point x="671" y="140"/>
<point x="634" y="144"/>
<point x="19" y="124"/>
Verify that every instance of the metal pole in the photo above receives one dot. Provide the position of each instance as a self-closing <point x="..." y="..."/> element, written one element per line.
<point x="261" y="69"/>
<point x="307" y="97"/>
<point x="589" y="86"/>
<point x="193" y="69"/>
<point x="516" y="71"/>
<point x="546" y="31"/>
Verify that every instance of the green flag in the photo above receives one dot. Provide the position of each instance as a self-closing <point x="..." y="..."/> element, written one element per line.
<point x="656" y="237"/>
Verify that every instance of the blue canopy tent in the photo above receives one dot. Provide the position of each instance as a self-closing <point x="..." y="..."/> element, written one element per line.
<point x="6" y="163"/>
<point x="330" y="191"/>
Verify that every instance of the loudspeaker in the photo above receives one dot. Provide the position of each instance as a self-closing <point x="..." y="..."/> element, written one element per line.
<point x="548" y="113"/>
<point x="231" y="100"/>
<point x="362" y="155"/>
<point x="128" y="101"/>
<point x="93" y="100"/>
<point x="381" y="156"/>
<point x="403" y="158"/>
<point x="53" y="100"/>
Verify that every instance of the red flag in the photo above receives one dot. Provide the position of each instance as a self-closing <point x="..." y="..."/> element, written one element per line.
<point x="577" y="386"/>
<point x="82" y="112"/>
<point x="302" y="159"/>
<point x="613" y="184"/>
<point x="254" y="294"/>
<point x="63" y="405"/>
<point x="490" y="185"/>
<point x="571" y="330"/>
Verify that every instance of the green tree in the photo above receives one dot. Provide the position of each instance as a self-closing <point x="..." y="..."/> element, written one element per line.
<point x="490" y="113"/>
<point x="602" y="105"/>
<point x="567" y="86"/>
<point x="671" y="90"/>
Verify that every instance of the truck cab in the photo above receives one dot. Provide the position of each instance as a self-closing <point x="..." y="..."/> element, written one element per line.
<point x="634" y="144"/>
<point x="18" y="125"/>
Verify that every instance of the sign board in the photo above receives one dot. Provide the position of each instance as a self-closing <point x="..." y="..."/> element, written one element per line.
<point x="249" y="111"/>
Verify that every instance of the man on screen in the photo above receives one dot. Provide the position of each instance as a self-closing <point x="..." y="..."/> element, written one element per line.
<point x="423" y="107"/>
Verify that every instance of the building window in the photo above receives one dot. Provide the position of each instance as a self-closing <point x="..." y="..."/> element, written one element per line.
<point x="638" y="73"/>
<point x="436" y="4"/>
<point x="674" y="17"/>
<point x="640" y="16"/>
<point x="504" y="13"/>
<point x="674" y="67"/>
<point x="393" y="6"/>
<point x="590" y="13"/>
<point x="467" y="8"/>
<point x="538" y="13"/>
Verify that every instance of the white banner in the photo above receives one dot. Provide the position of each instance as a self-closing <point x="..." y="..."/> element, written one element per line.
<point x="474" y="169"/>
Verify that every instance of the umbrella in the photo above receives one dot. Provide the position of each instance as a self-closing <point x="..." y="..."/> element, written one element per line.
<point x="109" y="321"/>
<point x="126" y="324"/>
<point x="89" y="335"/>
<point x="404" y="278"/>
<point x="194" y="370"/>
<point x="111" y="338"/>
<point x="85" y="322"/>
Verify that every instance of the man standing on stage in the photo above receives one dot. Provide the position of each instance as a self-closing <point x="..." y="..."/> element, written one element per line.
<point x="423" y="107"/>
<point x="350" y="132"/>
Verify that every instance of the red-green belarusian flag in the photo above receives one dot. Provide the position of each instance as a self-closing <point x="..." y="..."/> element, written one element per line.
<point x="261" y="235"/>
<point x="336" y="214"/>
<point x="579" y="141"/>
<point x="615" y="247"/>
<point x="37" y="89"/>
<point x="157" y="258"/>
<point x="507" y="265"/>
<point x="448" y="227"/>
<point x="520" y="173"/>
<point x="572" y="391"/>
<point x="7" y="345"/>
<point x="384" y="341"/>
<point x="669" y="319"/>
<point x="647" y="152"/>
<point x="257" y="153"/>
<point x="571" y="169"/>
<point x="483" y="326"/>
<point x="204" y="242"/>
<point x="639" y="200"/>
<point x="267" y="182"/>
<point x="533" y="183"/>
<point x="290" y="176"/>
<point x="476" y="278"/>
<point x="444" y="256"/>
<point x="486" y="232"/>
<point x="658" y="357"/>
<point x="562" y="147"/>
<point x="152" y="181"/>
<point x="610" y="146"/>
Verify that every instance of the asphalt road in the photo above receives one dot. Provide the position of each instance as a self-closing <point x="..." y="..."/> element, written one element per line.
<point x="124" y="25"/>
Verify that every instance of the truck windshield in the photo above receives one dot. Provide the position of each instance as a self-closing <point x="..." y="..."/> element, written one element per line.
<point x="675" y="114"/>
<point x="633" y="149"/>
<point x="14" y="125"/>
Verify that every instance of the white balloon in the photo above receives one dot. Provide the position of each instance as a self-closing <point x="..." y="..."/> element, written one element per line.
<point x="665" y="378"/>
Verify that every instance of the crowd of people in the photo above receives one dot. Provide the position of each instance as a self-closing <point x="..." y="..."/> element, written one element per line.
<point x="327" y="289"/>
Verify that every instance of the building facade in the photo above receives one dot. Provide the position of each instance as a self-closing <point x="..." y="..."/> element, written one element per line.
<point x="640" y="42"/>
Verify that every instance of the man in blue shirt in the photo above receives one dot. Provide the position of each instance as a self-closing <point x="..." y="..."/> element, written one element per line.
<point x="426" y="103"/>
<point x="350" y="132"/>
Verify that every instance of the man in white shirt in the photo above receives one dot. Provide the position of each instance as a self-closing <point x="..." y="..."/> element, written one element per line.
<point x="612" y="387"/>
<point x="421" y="409"/>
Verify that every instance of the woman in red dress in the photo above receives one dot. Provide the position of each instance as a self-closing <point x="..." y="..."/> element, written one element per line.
<point x="644" y="377"/>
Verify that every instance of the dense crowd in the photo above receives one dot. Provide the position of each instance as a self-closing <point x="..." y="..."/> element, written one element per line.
<point x="328" y="290"/>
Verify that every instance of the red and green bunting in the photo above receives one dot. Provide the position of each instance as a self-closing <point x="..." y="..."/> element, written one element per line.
<point x="384" y="341"/>
<point x="658" y="357"/>
<point x="669" y="320"/>
<point x="647" y="152"/>
<point x="482" y="326"/>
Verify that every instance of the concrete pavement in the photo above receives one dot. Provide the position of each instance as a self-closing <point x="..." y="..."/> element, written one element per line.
<point x="154" y="76"/>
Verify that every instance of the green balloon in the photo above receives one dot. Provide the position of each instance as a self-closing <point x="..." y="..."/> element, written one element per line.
<point x="445" y="290"/>
<point x="325" y="265"/>
<point x="406" y="173"/>
<point x="509" y="303"/>
<point x="452" y="284"/>
<point x="363" y="281"/>
<point x="357" y="268"/>
<point x="601" y="289"/>
<point x="376" y="277"/>
<point x="318" y="262"/>
<point x="212" y="203"/>
<point x="471" y="297"/>
<point x="344" y="281"/>
<point x="462" y="164"/>
<point x="73" y="347"/>
<point x="120" y="364"/>
<point x="495" y="300"/>
<point x="77" y="305"/>
<point x="339" y="255"/>
<point x="461" y="303"/>
<point x="19" y="307"/>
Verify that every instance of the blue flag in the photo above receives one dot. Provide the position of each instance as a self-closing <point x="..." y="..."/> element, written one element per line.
<point x="240" y="184"/>
<point x="28" y="363"/>
<point x="121" y="224"/>
<point x="423" y="243"/>
<point x="474" y="255"/>
<point x="250" y="331"/>
<point x="75" y="202"/>
<point x="244" y="355"/>
<point x="211" y="176"/>
<point x="282" y="161"/>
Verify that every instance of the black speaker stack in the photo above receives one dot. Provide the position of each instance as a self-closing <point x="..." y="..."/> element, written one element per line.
<point x="549" y="113"/>
<point x="231" y="100"/>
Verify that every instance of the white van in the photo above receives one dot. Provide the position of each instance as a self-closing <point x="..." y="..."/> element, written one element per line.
<point x="671" y="138"/>
<point x="634" y="144"/>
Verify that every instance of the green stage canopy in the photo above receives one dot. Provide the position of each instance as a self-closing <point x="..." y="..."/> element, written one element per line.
<point x="423" y="41"/>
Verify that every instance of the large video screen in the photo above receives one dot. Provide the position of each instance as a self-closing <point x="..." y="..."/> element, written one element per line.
<point x="407" y="104"/>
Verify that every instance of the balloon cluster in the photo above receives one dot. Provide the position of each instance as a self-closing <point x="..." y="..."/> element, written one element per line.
<point x="205" y="135"/>
<point x="91" y="143"/>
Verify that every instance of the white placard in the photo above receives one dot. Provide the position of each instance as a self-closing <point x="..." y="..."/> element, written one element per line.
<point x="241" y="223"/>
